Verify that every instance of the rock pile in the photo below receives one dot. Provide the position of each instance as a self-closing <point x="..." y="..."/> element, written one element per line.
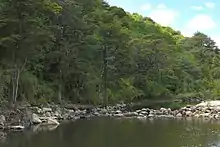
<point x="208" y="110"/>
<point x="54" y="114"/>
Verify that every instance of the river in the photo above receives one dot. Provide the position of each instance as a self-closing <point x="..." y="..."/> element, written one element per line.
<point x="105" y="132"/>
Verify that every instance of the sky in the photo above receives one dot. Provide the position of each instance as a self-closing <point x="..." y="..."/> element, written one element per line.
<point x="187" y="16"/>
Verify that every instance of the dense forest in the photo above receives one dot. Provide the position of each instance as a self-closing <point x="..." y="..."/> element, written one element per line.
<point x="89" y="52"/>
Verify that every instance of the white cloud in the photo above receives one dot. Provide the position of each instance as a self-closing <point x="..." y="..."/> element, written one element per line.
<point x="187" y="32"/>
<point x="210" y="5"/>
<point x="201" y="22"/>
<point x="146" y="7"/>
<point x="162" y="6"/>
<point x="216" y="38"/>
<point x="163" y="15"/>
<point x="197" y="8"/>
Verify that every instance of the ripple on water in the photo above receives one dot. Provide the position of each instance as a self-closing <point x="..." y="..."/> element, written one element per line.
<point x="104" y="132"/>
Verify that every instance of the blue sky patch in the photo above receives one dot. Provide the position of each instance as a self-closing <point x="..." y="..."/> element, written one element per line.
<point x="188" y="16"/>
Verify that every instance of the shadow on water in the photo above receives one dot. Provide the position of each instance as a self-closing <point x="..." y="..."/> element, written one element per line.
<point x="105" y="132"/>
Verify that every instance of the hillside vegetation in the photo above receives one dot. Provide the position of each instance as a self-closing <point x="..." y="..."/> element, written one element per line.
<point x="89" y="52"/>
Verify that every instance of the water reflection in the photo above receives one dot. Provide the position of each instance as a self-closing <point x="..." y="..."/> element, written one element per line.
<point x="122" y="133"/>
<point x="40" y="128"/>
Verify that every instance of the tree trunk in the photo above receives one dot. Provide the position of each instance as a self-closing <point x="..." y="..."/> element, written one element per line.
<point x="13" y="85"/>
<point x="105" y="75"/>
<point x="16" y="85"/>
<point x="60" y="88"/>
<point x="15" y="82"/>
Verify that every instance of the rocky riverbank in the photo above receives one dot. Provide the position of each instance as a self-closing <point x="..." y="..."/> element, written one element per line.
<point x="28" y="116"/>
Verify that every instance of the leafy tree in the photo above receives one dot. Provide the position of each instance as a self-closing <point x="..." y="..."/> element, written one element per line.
<point x="90" y="52"/>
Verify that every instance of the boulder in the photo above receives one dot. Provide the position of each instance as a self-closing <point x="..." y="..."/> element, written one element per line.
<point x="150" y="115"/>
<point x="144" y="112"/>
<point x="47" y="110"/>
<point x="158" y="112"/>
<point x="97" y="113"/>
<point x="3" y="136"/>
<point x="216" y="116"/>
<point x="39" y="110"/>
<point x="19" y="127"/>
<point x="118" y="111"/>
<point x="138" y="111"/>
<point x="163" y="109"/>
<point x="165" y="116"/>
<point x="209" y="104"/>
<point x="130" y="114"/>
<point x="141" y="117"/>
<point x="179" y="115"/>
<point x="103" y="111"/>
<point x="119" y="115"/>
<point x="48" y="114"/>
<point x="145" y="109"/>
<point x="51" y="121"/>
<point x="36" y="119"/>
<point x="57" y="113"/>
<point x="189" y="113"/>
<point x="2" y="120"/>
<point x="78" y="112"/>
<point x="70" y="111"/>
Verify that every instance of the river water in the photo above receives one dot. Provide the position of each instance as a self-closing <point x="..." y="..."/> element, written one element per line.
<point x="105" y="132"/>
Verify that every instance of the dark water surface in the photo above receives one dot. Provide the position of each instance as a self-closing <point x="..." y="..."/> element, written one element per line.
<point x="105" y="132"/>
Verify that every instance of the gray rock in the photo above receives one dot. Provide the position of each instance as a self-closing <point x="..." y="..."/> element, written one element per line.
<point x="217" y="108"/>
<point x="152" y="112"/>
<point x="47" y="110"/>
<point x="169" y="116"/>
<point x="35" y="119"/>
<point x="216" y="116"/>
<point x="118" y="111"/>
<point x="197" y="115"/>
<point x="204" y="115"/>
<point x="163" y="109"/>
<point x="207" y="111"/>
<point x="169" y="110"/>
<point x="165" y="116"/>
<point x="141" y="117"/>
<point x="48" y="114"/>
<point x="144" y="109"/>
<point x="19" y="127"/>
<point x="188" y="113"/>
<point x="70" y="111"/>
<point x="104" y="111"/>
<point x="144" y="112"/>
<point x="39" y="111"/>
<point x="135" y="113"/>
<point x="78" y="112"/>
<point x="209" y="104"/>
<point x="118" y="115"/>
<point x="158" y="112"/>
<point x="3" y="136"/>
<point x="151" y="115"/>
<point x="57" y="113"/>
<point x="2" y="120"/>
<point x="51" y="121"/>
<point x="138" y="111"/>
<point x="179" y="115"/>
<point x="130" y="114"/>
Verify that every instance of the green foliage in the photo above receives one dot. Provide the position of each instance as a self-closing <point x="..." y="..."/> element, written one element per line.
<point x="89" y="52"/>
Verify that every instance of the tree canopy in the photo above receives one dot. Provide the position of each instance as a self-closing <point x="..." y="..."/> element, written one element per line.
<point x="90" y="52"/>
